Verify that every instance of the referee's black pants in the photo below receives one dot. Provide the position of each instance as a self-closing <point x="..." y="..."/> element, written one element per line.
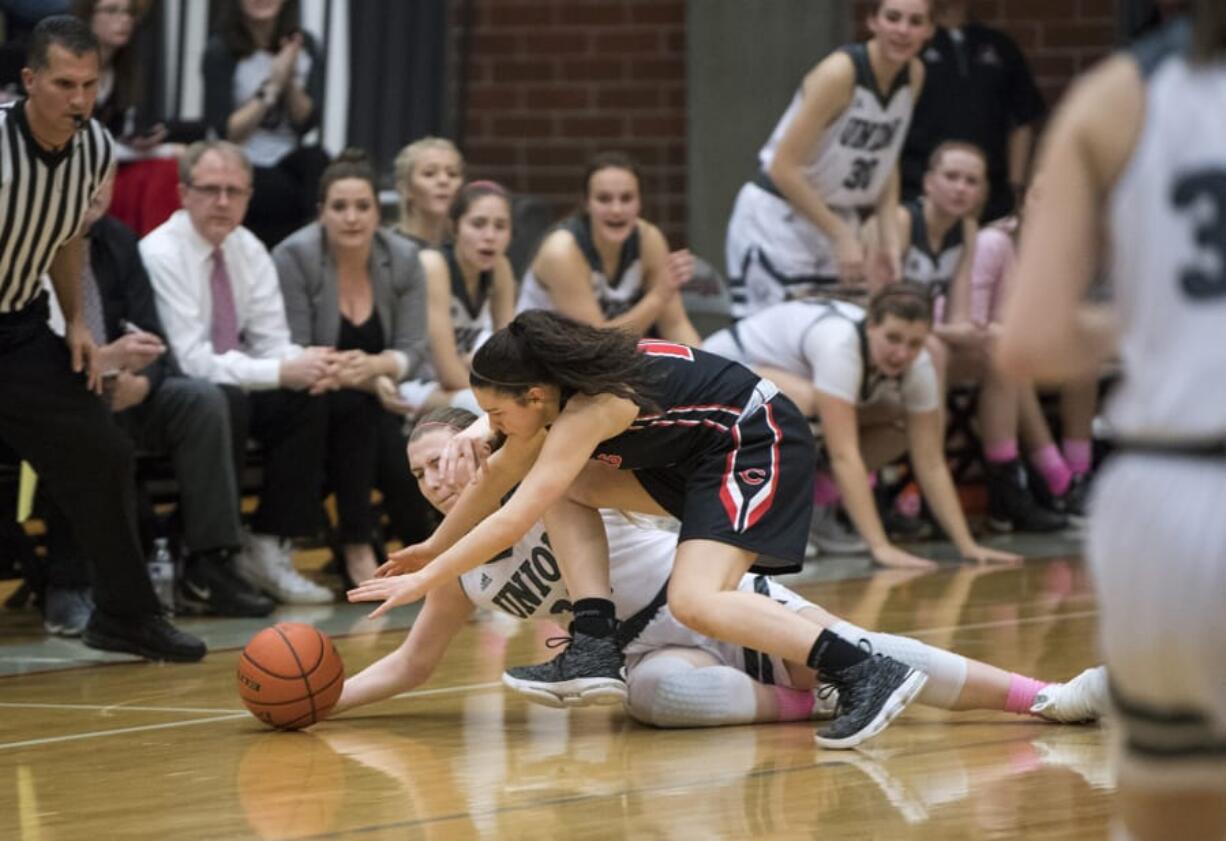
<point x="84" y="462"/>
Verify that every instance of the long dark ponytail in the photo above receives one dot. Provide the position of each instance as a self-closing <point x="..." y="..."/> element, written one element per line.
<point x="540" y="347"/>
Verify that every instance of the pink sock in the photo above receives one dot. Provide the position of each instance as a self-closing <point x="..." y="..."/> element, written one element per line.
<point x="1077" y="454"/>
<point x="1053" y="467"/>
<point x="794" y="704"/>
<point x="1001" y="451"/>
<point x="825" y="489"/>
<point x="1022" y="692"/>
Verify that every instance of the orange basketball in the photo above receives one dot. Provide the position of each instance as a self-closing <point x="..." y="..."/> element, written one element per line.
<point x="290" y="675"/>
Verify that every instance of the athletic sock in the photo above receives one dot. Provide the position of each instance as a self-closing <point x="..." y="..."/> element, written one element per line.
<point x="1078" y="453"/>
<point x="1054" y="469"/>
<point x="1000" y="452"/>
<point x="594" y="617"/>
<point x="794" y="704"/>
<point x="832" y="654"/>
<point x="1022" y="692"/>
<point x="825" y="489"/>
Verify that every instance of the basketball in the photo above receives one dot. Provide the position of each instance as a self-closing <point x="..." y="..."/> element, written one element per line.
<point x="290" y="675"/>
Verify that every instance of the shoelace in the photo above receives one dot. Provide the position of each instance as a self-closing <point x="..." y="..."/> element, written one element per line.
<point x="846" y="700"/>
<point x="558" y="642"/>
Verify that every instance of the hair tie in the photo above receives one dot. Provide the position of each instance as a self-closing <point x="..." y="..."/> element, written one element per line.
<point x="486" y="184"/>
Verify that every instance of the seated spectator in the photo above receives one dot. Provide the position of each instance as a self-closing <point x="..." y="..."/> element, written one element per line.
<point x="1063" y="472"/>
<point x="607" y="266"/>
<point x="429" y="173"/>
<point x="263" y="84"/>
<point x="145" y="187"/>
<point x="869" y="379"/>
<point x="162" y="412"/>
<point x="352" y="286"/>
<point x="219" y="299"/>
<point x="470" y="293"/>
<point x="938" y="234"/>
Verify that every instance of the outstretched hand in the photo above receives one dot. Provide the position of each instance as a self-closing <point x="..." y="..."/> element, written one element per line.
<point x="987" y="555"/>
<point x="394" y="591"/>
<point x="407" y="560"/>
<point x="893" y="557"/>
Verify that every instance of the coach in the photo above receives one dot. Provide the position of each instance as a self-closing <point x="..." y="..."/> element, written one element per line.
<point x="53" y="159"/>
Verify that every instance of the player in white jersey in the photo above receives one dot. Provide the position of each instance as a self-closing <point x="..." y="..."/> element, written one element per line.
<point x="676" y="677"/>
<point x="870" y="380"/>
<point x="607" y="266"/>
<point x="936" y="231"/>
<point x="470" y="293"/>
<point x="1140" y="150"/>
<point x="796" y="227"/>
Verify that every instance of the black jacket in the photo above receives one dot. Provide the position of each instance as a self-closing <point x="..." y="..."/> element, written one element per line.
<point x="127" y="294"/>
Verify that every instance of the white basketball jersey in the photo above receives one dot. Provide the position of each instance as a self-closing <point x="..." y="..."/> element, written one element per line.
<point x="471" y="320"/>
<point x="615" y="295"/>
<point x="823" y="341"/>
<point x="1168" y="258"/>
<point x="859" y="151"/>
<point x="526" y="581"/>
<point x="921" y="264"/>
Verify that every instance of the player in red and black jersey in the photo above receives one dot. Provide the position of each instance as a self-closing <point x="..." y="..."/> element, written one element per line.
<point x="593" y="420"/>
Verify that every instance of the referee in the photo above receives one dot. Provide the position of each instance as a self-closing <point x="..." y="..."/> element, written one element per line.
<point x="53" y="158"/>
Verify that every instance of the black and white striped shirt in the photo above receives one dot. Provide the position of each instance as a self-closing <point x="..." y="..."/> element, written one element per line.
<point x="43" y="196"/>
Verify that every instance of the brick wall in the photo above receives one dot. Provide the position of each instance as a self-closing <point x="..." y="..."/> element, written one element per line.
<point x="551" y="82"/>
<point x="1060" y="38"/>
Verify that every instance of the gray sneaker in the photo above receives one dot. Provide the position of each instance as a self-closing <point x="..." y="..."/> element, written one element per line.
<point x="871" y="694"/>
<point x="66" y="610"/>
<point x="590" y="670"/>
<point x="831" y="535"/>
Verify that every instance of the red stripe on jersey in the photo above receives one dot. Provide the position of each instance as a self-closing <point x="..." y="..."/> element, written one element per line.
<point x="729" y="493"/>
<point x="652" y="347"/>
<point x="760" y="504"/>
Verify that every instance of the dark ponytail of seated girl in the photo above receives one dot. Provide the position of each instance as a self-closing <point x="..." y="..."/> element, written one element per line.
<point x="540" y="347"/>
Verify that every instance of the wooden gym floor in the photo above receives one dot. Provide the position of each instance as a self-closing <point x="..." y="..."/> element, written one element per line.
<point x="97" y="750"/>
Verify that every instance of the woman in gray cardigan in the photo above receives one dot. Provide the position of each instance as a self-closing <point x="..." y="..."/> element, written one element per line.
<point x="350" y="285"/>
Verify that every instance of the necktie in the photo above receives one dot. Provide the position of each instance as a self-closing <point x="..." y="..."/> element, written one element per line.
<point x="91" y="305"/>
<point x="225" y="316"/>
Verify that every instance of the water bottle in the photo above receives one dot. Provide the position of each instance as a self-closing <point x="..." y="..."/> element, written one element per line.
<point x="162" y="574"/>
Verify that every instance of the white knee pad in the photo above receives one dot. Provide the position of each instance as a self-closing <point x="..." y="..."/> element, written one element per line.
<point x="946" y="671"/>
<point x="671" y="692"/>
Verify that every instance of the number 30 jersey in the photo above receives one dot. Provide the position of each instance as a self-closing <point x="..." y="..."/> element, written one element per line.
<point x="860" y="149"/>
<point x="526" y="581"/>
<point x="1168" y="252"/>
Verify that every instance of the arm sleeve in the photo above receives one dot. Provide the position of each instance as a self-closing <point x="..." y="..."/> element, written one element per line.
<point x="409" y="314"/>
<point x="314" y="83"/>
<point x="296" y="297"/>
<point x="139" y="305"/>
<point x="219" y="67"/>
<point x="1025" y="102"/>
<point x="921" y="391"/>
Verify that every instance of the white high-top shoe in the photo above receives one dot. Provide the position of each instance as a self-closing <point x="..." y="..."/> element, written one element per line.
<point x="266" y="562"/>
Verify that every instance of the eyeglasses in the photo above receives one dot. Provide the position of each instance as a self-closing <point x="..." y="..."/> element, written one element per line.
<point x="215" y="191"/>
<point x="115" y="11"/>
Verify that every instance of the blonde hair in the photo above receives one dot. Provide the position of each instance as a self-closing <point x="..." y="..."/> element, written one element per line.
<point x="406" y="162"/>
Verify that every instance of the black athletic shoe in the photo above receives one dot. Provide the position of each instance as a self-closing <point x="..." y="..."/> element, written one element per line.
<point x="151" y="637"/>
<point x="590" y="670"/>
<point x="1012" y="507"/>
<point x="871" y="694"/>
<point x="209" y="586"/>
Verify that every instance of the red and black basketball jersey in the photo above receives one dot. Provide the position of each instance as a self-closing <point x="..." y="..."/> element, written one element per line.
<point x="699" y="398"/>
